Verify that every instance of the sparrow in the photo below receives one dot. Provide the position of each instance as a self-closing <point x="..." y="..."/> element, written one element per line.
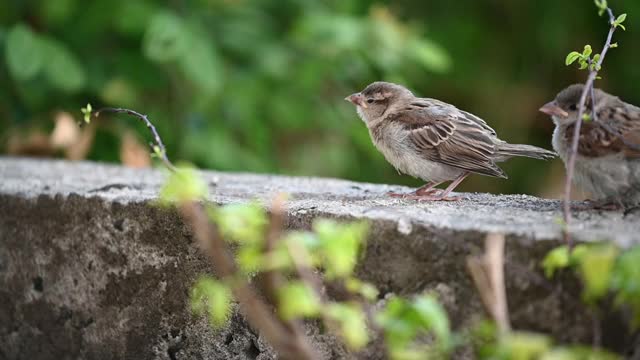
<point x="608" y="159"/>
<point x="432" y="140"/>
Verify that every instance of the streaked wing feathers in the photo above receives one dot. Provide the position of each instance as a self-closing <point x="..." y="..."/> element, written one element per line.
<point x="446" y="135"/>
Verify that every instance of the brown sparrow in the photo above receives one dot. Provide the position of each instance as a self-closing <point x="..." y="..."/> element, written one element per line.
<point x="608" y="160"/>
<point x="432" y="140"/>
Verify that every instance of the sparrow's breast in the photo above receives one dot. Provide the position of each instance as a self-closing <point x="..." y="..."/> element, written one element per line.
<point x="603" y="177"/>
<point x="392" y="140"/>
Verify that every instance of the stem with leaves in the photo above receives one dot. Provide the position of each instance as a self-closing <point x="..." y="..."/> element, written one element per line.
<point x="157" y="147"/>
<point x="287" y="337"/>
<point x="594" y="65"/>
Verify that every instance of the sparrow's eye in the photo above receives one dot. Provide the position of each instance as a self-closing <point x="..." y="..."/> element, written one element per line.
<point x="573" y="107"/>
<point x="369" y="101"/>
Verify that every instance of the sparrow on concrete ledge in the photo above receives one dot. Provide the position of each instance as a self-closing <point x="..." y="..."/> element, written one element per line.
<point x="608" y="160"/>
<point x="432" y="140"/>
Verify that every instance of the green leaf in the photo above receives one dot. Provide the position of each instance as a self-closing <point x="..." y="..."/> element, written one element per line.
<point x="583" y="64"/>
<point x="184" y="185"/>
<point x="340" y="245"/>
<point x="245" y="224"/>
<point x="213" y="297"/>
<point x="434" y="318"/>
<point x="622" y="27"/>
<point x="251" y="258"/>
<point x="201" y="64"/>
<point x="165" y="39"/>
<point x="524" y="345"/>
<point x="24" y="53"/>
<point x="572" y="57"/>
<point x="297" y="299"/>
<point x="586" y="117"/>
<point x="587" y="51"/>
<point x="555" y="259"/>
<point x="578" y="253"/>
<point x="367" y="290"/>
<point x="596" y="268"/>
<point x="579" y="353"/>
<point x="625" y="281"/>
<point x="614" y="45"/>
<point x="620" y="20"/>
<point x="63" y="69"/>
<point x="87" y="113"/>
<point x="351" y="322"/>
<point x="403" y="322"/>
<point x="602" y="6"/>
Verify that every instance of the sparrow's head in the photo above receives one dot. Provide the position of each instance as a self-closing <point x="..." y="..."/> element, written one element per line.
<point x="377" y="98"/>
<point x="564" y="108"/>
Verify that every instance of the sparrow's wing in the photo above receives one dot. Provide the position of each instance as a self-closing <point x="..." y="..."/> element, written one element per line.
<point x="616" y="131"/>
<point x="446" y="135"/>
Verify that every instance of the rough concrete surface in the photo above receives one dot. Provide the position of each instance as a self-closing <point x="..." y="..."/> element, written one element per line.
<point x="89" y="269"/>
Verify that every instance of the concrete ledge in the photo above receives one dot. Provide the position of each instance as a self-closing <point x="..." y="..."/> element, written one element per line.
<point x="89" y="270"/>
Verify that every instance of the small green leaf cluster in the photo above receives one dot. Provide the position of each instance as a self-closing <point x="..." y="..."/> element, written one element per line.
<point x="602" y="6"/>
<point x="619" y="20"/>
<point x="87" y="113"/>
<point x="183" y="185"/>
<point x="521" y="345"/>
<point x="584" y="59"/>
<point x="604" y="269"/>
<point x="212" y="297"/>
<point x="405" y="321"/>
<point x="331" y="246"/>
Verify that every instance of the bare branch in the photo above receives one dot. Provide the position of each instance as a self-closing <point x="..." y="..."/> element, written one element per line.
<point x="588" y="89"/>
<point x="487" y="272"/>
<point x="162" y="151"/>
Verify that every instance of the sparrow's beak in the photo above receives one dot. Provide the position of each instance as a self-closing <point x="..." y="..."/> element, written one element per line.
<point x="356" y="99"/>
<point x="552" y="109"/>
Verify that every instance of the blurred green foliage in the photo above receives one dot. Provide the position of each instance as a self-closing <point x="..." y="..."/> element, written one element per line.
<point x="604" y="269"/>
<point x="258" y="85"/>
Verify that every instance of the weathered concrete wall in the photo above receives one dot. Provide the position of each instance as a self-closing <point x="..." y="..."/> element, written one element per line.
<point x="89" y="269"/>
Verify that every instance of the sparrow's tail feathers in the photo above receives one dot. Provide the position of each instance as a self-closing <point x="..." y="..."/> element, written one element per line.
<point x="530" y="151"/>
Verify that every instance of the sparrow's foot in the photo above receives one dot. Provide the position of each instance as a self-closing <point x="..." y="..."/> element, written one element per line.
<point x="430" y="196"/>
<point x="598" y="205"/>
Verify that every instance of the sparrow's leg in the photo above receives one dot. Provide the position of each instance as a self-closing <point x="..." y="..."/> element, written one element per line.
<point x="426" y="189"/>
<point x="441" y="194"/>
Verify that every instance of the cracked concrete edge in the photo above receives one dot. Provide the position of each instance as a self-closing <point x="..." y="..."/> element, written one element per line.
<point x="522" y="216"/>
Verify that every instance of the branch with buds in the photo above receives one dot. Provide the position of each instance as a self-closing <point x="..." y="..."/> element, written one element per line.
<point x="594" y="65"/>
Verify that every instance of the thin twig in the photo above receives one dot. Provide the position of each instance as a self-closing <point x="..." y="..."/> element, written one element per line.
<point x="487" y="272"/>
<point x="302" y="264"/>
<point x="593" y="74"/>
<point x="271" y="280"/>
<point x="162" y="151"/>
<point x="259" y="315"/>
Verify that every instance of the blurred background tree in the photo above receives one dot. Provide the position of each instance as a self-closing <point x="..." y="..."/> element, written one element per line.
<point x="258" y="85"/>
